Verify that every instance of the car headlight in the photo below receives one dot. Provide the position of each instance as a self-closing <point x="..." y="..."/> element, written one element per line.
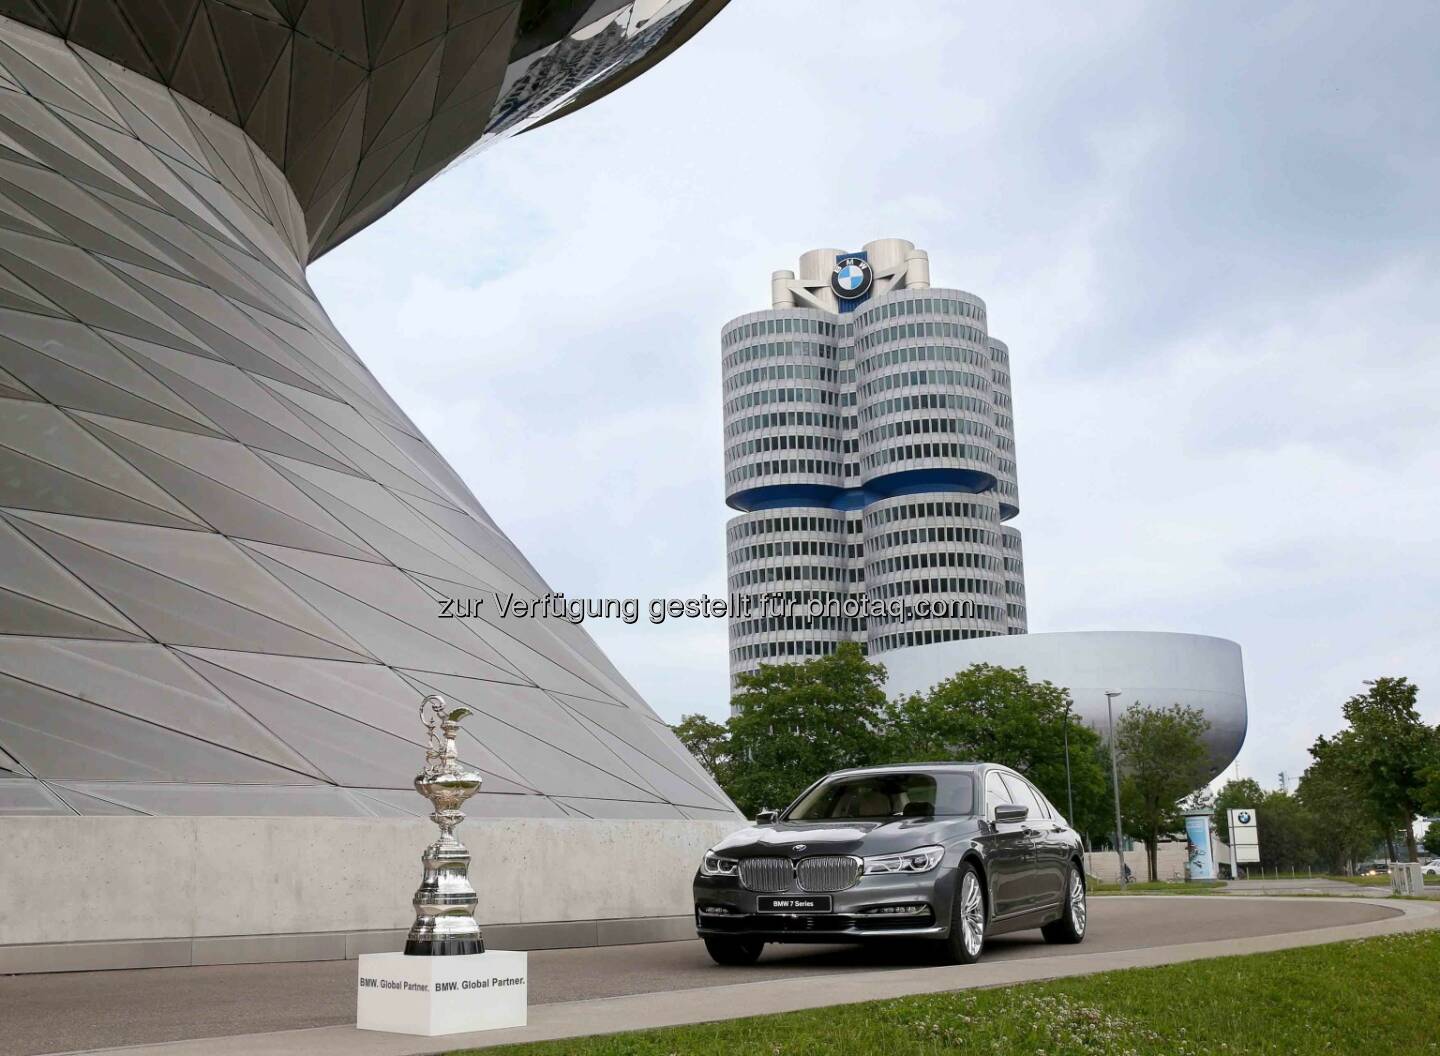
<point x="713" y="865"/>
<point x="920" y="860"/>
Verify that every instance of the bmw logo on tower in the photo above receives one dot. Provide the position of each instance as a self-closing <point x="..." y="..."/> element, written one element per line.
<point x="852" y="278"/>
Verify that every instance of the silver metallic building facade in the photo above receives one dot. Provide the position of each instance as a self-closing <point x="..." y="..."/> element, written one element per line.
<point x="870" y="447"/>
<point x="224" y="550"/>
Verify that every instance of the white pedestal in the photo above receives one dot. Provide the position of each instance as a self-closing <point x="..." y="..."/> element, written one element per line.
<point x="442" y="995"/>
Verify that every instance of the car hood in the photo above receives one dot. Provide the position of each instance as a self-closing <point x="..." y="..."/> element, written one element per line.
<point x="786" y="838"/>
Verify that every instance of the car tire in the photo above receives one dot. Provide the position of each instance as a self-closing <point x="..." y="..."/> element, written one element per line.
<point x="1070" y="928"/>
<point x="968" y="917"/>
<point x="733" y="952"/>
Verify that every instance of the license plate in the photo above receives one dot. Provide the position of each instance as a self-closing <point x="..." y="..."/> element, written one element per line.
<point x="794" y="903"/>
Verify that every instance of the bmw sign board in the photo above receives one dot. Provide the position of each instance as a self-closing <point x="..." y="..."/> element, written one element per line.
<point x="1244" y="835"/>
<point x="852" y="278"/>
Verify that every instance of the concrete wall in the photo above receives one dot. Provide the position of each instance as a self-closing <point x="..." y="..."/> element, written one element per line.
<point x="94" y="892"/>
<point x="1169" y="863"/>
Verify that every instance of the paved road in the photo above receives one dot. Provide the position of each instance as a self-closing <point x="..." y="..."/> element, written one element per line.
<point x="83" y="1010"/>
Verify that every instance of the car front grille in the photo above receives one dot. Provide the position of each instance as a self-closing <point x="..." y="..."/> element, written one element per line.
<point x="831" y="873"/>
<point x="766" y="874"/>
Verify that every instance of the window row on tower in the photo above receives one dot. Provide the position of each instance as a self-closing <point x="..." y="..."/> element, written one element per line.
<point x="786" y="419"/>
<point x="927" y="302"/>
<point x="790" y="323"/>
<point x="914" y="331"/>
<point x="778" y="350"/>
<point x="762" y="397"/>
<point x="885" y="642"/>
<point x="927" y="354"/>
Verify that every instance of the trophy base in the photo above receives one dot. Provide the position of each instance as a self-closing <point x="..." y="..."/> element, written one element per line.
<point x="429" y="996"/>
<point x="444" y="947"/>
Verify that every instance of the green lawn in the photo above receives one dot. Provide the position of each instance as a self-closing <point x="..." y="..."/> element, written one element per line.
<point x="1376" y="997"/>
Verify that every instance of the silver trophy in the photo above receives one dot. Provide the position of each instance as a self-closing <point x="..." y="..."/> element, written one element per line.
<point x="445" y="901"/>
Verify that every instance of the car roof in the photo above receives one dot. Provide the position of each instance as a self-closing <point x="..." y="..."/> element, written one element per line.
<point x="910" y="768"/>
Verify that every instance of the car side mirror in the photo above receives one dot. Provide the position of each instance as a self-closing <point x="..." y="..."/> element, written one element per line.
<point x="767" y="817"/>
<point x="1009" y="813"/>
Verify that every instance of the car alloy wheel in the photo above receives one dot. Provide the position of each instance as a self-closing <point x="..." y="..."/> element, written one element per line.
<point x="1070" y="928"/>
<point x="972" y="914"/>
<point x="966" y="940"/>
<point x="1078" y="911"/>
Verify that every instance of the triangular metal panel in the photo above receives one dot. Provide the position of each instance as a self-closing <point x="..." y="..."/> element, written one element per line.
<point x="231" y="799"/>
<point x="78" y="347"/>
<point x="204" y="561"/>
<point x="162" y="25"/>
<point x="250" y="48"/>
<point x="537" y="714"/>
<point x="24" y="796"/>
<point x="200" y="73"/>
<point x="386" y="631"/>
<point x="552" y="770"/>
<point x="20" y="614"/>
<point x="63" y="737"/>
<point x="145" y="681"/>
<point x="402" y="94"/>
<point x="53" y="77"/>
<point x="235" y="513"/>
<point x="172" y="611"/>
<point x="249" y="427"/>
<point x="101" y="23"/>
<point x="92" y="806"/>
<point x="349" y="753"/>
<point x="40" y="431"/>
<point x="626" y="733"/>
<point x="626" y="809"/>
<point x="76" y="389"/>
<point x="370" y="694"/>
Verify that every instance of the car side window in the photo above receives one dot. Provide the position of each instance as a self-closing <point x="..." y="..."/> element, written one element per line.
<point x="995" y="793"/>
<point x="1046" y="810"/>
<point x="1024" y="795"/>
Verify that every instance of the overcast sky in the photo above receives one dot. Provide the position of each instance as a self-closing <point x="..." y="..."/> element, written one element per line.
<point x="1207" y="232"/>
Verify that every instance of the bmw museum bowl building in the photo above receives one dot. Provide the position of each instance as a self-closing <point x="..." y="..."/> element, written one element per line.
<point x="869" y="435"/>
<point x="223" y="547"/>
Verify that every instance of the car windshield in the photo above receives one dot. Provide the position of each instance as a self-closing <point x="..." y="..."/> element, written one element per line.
<point x="873" y="796"/>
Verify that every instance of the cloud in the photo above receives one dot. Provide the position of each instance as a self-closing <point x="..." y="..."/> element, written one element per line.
<point x="1207" y="235"/>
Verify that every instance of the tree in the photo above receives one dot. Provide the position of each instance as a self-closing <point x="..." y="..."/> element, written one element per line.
<point x="998" y="715"/>
<point x="1285" y="830"/>
<point x="1241" y="792"/>
<point x="709" y="742"/>
<point x="1430" y="790"/>
<point x="1392" y="752"/>
<point x="1431" y="839"/>
<point x="1345" y="827"/>
<point x="1163" y="757"/>
<point x="795" y="723"/>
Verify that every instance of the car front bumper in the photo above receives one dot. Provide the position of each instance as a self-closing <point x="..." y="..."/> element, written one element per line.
<point x="866" y="911"/>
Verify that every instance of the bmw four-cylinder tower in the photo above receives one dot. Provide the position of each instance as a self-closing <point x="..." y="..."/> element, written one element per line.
<point x="870" y="447"/>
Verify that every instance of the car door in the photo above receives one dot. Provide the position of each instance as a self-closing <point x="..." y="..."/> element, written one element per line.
<point x="1051" y="851"/>
<point x="1010" y="856"/>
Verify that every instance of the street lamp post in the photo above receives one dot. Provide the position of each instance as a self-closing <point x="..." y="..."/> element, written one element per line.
<point x="1110" y="695"/>
<point x="1069" y="792"/>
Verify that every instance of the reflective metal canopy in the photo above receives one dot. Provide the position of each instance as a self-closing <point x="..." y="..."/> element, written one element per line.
<point x="359" y="102"/>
